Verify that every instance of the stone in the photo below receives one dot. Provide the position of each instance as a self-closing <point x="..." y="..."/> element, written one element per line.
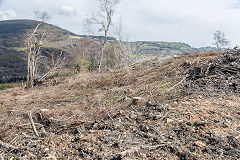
<point x="170" y="121"/>
<point x="144" y="128"/>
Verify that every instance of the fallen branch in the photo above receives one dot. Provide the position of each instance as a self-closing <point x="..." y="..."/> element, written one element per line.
<point x="31" y="137"/>
<point x="155" y="147"/>
<point x="23" y="125"/>
<point x="177" y="84"/>
<point x="63" y="120"/>
<point x="32" y="123"/>
<point x="8" y="146"/>
<point x="130" y="151"/>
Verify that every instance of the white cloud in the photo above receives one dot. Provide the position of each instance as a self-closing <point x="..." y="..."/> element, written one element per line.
<point x="67" y="11"/>
<point x="6" y="15"/>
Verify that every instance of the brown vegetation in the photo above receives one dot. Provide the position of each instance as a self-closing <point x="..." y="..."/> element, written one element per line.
<point x="139" y="112"/>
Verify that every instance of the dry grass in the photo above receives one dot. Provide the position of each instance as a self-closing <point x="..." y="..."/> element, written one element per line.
<point x="91" y="95"/>
<point x="78" y="102"/>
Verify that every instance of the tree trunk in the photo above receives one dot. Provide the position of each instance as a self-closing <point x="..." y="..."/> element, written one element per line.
<point x="101" y="59"/>
<point x="103" y="46"/>
<point x="29" y="67"/>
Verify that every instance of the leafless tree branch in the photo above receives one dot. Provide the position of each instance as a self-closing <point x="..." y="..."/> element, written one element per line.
<point x="104" y="20"/>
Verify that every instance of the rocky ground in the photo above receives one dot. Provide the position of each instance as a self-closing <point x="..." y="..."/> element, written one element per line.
<point x="150" y="110"/>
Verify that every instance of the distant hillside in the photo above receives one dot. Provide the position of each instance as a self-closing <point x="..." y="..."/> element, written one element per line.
<point x="207" y="48"/>
<point x="162" y="48"/>
<point x="12" y="65"/>
<point x="13" y="35"/>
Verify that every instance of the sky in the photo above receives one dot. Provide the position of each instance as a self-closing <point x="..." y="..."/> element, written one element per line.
<point x="188" y="21"/>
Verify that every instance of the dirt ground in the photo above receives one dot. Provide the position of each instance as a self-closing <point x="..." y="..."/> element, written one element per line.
<point x="141" y="112"/>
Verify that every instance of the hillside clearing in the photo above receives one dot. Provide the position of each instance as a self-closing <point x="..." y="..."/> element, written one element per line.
<point x="93" y="116"/>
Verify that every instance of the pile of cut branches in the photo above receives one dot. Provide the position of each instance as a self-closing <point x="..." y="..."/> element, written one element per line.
<point x="218" y="75"/>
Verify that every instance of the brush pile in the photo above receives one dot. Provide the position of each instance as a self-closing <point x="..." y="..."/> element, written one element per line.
<point x="218" y="75"/>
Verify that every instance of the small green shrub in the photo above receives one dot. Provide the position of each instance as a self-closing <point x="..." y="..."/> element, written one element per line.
<point x="69" y="73"/>
<point x="82" y="65"/>
<point x="112" y="99"/>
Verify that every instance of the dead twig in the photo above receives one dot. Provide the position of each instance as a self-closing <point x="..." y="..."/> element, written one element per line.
<point x="129" y="151"/>
<point x="8" y="146"/>
<point x="177" y="84"/>
<point x="63" y="120"/>
<point x="23" y="125"/>
<point x="33" y="125"/>
<point x="31" y="137"/>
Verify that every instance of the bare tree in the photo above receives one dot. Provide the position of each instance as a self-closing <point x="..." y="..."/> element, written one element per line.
<point x="220" y="39"/>
<point x="104" y="20"/>
<point x="125" y="51"/>
<point x="34" y="44"/>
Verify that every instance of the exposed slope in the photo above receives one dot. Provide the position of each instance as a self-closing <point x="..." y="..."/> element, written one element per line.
<point x="92" y="116"/>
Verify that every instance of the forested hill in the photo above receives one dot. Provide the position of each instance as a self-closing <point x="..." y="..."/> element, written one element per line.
<point x="13" y="33"/>
<point x="13" y="36"/>
<point x="155" y="48"/>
